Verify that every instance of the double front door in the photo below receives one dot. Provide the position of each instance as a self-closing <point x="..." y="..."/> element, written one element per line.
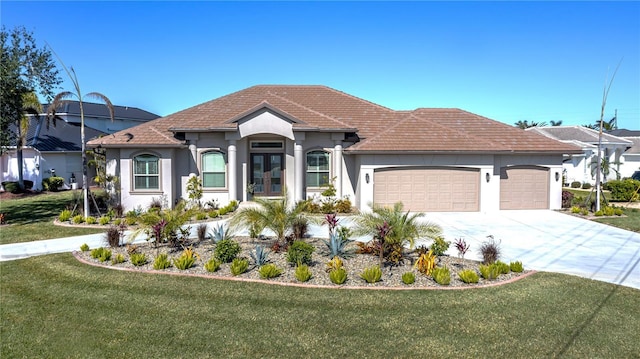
<point x="267" y="173"/>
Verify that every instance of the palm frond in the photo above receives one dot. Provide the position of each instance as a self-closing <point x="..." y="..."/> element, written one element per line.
<point x="59" y="102"/>
<point x="105" y="99"/>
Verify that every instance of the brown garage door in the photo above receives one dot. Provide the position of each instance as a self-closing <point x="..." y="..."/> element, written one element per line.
<point x="433" y="189"/>
<point x="524" y="187"/>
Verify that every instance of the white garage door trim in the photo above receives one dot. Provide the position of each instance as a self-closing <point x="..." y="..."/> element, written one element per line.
<point x="428" y="189"/>
<point x="524" y="187"/>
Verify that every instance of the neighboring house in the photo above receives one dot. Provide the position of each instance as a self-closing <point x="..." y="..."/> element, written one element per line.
<point x="31" y="159"/>
<point x="581" y="167"/>
<point x="630" y="158"/>
<point x="295" y="140"/>
<point x="59" y="147"/>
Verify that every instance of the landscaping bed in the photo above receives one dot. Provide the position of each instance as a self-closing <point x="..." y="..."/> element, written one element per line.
<point x="354" y="265"/>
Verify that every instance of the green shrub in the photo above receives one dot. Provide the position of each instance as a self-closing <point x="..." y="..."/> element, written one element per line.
<point x="618" y="212"/>
<point x="371" y="274"/>
<point x="408" y="278"/>
<point x="503" y="267"/>
<point x="576" y="209"/>
<point x="212" y="265"/>
<point x="623" y="190"/>
<point x="222" y="211"/>
<point x="599" y="213"/>
<point x="45" y="185"/>
<point x="77" y="219"/>
<point x="84" y="247"/>
<point x="300" y="252"/>
<point x="104" y="220"/>
<point x="91" y="220"/>
<point x="516" y="267"/>
<point x="608" y="211"/>
<point x="131" y="220"/>
<point x="338" y="276"/>
<point x="586" y="185"/>
<point x="576" y="184"/>
<point x="55" y="183"/>
<point x="161" y="262"/>
<point x="303" y="273"/>
<point x="239" y="266"/>
<point x="227" y="250"/>
<point x="213" y="213"/>
<point x="138" y="259"/>
<point x="65" y="215"/>
<point x="117" y="221"/>
<point x="201" y="216"/>
<point x="268" y="271"/>
<point x="584" y="212"/>
<point x="343" y="206"/>
<point x="439" y="246"/>
<point x="441" y="275"/>
<point x="186" y="260"/>
<point x="101" y="254"/>
<point x="119" y="258"/>
<point x="468" y="276"/>
<point x="489" y="271"/>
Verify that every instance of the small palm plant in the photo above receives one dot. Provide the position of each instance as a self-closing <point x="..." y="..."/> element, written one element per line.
<point x="404" y="227"/>
<point x="277" y="215"/>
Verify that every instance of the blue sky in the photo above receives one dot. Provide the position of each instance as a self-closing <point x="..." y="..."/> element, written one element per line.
<point x="509" y="61"/>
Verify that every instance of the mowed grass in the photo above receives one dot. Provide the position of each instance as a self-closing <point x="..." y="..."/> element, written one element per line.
<point x="54" y="306"/>
<point x="31" y="218"/>
<point x="630" y="222"/>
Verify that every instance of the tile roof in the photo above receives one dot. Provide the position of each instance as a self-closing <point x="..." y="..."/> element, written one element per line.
<point x="320" y="108"/>
<point x="577" y="133"/>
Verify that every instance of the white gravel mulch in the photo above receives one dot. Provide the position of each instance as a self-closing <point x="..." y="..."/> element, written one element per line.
<point x="391" y="278"/>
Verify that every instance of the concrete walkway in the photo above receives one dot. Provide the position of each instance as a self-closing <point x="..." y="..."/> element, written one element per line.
<point x="542" y="240"/>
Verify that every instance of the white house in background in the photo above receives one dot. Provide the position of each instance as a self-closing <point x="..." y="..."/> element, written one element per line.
<point x="581" y="167"/>
<point x="59" y="147"/>
<point x="295" y="139"/>
<point x="32" y="171"/>
<point x="631" y="157"/>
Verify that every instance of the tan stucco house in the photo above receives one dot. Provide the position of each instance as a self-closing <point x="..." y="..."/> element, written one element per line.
<point x="295" y="139"/>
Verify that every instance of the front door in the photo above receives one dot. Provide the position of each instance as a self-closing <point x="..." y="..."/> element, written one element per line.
<point x="267" y="174"/>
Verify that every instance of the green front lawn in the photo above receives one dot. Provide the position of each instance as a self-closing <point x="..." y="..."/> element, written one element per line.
<point x="31" y="218"/>
<point x="630" y="222"/>
<point x="53" y="306"/>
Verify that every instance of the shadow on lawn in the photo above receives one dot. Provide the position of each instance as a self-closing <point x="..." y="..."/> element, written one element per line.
<point x="576" y="333"/>
<point x="37" y="208"/>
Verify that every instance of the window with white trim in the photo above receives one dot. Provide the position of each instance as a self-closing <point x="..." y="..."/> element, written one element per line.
<point x="214" y="170"/>
<point x="146" y="172"/>
<point x="317" y="169"/>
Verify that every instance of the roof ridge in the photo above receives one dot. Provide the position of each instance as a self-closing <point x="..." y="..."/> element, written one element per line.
<point x="358" y="98"/>
<point x="307" y="108"/>
<point x="161" y="134"/>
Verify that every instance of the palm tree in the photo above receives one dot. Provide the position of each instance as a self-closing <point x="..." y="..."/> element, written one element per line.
<point x="405" y="228"/>
<point x="31" y="106"/>
<point x="525" y="124"/>
<point x="61" y="100"/>
<point x="605" y="168"/>
<point x="275" y="214"/>
<point x="556" y="123"/>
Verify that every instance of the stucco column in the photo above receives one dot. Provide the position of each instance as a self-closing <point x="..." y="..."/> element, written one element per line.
<point x="193" y="164"/>
<point x="231" y="156"/>
<point x="337" y="168"/>
<point x="298" y="157"/>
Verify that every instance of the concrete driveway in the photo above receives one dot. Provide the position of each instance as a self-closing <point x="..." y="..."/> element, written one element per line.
<point x="542" y="240"/>
<point x="550" y="241"/>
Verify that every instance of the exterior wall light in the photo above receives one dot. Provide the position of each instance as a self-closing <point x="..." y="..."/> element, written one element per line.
<point x="557" y="176"/>
<point x="366" y="177"/>
<point x="487" y="177"/>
